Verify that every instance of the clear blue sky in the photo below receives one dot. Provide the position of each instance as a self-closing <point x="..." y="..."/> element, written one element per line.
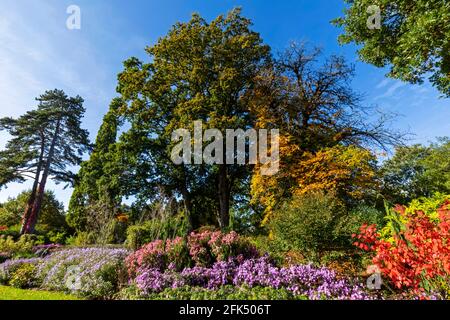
<point x="38" y="52"/>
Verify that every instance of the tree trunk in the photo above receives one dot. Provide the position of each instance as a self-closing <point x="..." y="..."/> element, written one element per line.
<point x="224" y="197"/>
<point x="31" y="223"/>
<point x="32" y="198"/>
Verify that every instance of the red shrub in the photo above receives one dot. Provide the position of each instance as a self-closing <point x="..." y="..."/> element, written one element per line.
<point x="419" y="256"/>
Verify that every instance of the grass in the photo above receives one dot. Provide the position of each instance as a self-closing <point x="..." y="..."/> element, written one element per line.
<point x="9" y="293"/>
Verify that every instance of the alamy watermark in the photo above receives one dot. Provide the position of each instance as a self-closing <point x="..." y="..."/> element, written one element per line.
<point x="374" y="20"/>
<point x="73" y="22"/>
<point x="73" y="278"/>
<point x="375" y="281"/>
<point x="231" y="149"/>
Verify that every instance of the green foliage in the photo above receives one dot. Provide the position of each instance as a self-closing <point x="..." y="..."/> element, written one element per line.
<point x="395" y="223"/>
<point x="157" y="228"/>
<point x="417" y="171"/>
<point x="199" y="71"/>
<point x="224" y="293"/>
<point x="317" y="222"/>
<point x="350" y="223"/>
<point x="24" y="276"/>
<point x="100" y="176"/>
<point x="52" y="217"/>
<point x="19" y="249"/>
<point x="45" y="142"/>
<point x="414" y="38"/>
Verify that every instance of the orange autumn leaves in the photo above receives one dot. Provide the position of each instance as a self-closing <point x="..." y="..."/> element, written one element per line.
<point x="419" y="255"/>
<point x="348" y="171"/>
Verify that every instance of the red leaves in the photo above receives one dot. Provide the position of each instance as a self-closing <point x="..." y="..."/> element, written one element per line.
<point x="421" y="251"/>
<point x="3" y="228"/>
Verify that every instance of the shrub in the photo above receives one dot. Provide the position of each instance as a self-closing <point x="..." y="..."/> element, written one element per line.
<point x="417" y="256"/>
<point x="8" y="268"/>
<point x="208" y="247"/>
<point x="308" y="223"/>
<point x="200" y="249"/>
<point x="157" y="228"/>
<point x="158" y="255"/>
<point x="18" y="249"/>
<point x="224" y="293"/>
<point x="24" y="276"/>
<point x="95" y="273"/>
<point x="300" y="281"/>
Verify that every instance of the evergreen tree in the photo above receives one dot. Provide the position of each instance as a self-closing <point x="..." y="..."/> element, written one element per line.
<point x="99" y="177"/>
<point x="45" y="143"/>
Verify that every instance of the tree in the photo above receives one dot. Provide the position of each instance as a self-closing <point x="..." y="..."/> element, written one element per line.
<point x="51" y="218"/>
<point x="199" y="71"/>
<point x="326" y="132"/>
<point x="414" y="38"/>
<point x="45" y="143"/>
<point x="100" y="176"/>
<point x="417" y="171"/>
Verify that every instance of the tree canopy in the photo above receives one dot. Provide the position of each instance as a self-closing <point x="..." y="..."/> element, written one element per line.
<point x="413" y="39"/>
<point x="45" y="142"/>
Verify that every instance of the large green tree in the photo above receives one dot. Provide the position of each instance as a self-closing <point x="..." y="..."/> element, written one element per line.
<point x="52" y="217"/>
<point x="99" y="177"/>
<point x="417" y="171"/>
<point x="199" y="71"/>
<point x="413" y="38"/>
<point x="45" y="143"/>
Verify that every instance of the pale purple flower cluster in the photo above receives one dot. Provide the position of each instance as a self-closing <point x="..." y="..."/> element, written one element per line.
<point x="96" y="270"/>
<point x="301" y="280"/>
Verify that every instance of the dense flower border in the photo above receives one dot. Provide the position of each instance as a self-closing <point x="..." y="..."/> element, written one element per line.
<point x="301" y="280"/>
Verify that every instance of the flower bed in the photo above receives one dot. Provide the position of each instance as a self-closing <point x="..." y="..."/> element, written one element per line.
<point x="95" y="273"/>
<point x="300" y="281"/>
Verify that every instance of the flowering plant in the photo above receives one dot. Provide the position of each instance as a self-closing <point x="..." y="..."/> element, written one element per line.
<point x="200" y="249"/>
<point x="418" y="258"/>
<point x="301" y="280"/>
<point x="208" y="247"/>
<point x="88" y="272"/>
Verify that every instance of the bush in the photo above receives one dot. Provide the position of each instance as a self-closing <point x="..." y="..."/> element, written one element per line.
<point x="24" y="276"/>
<point x="200" y="249"/>
<point x="417" y="255"/>
<point x="225" y="293"/>
<point x="300" y="280"/>
<point x="157" y="228"/>
<point x="349" y="224"/>
<point x="208" y="247"/>
<point x="18" y="249"/>
<point x="8" y="268"/>
<point x="95" y="273"/>
<point x="308" y="224"/>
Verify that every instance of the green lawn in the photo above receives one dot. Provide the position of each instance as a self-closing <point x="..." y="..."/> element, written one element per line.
<point x="9" y="293"/>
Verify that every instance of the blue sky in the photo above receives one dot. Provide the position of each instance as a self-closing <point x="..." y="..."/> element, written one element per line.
<point x="38" y="52"/>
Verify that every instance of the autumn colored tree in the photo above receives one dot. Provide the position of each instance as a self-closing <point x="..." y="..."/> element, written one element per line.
<point x="325" y="134"/>
<point x="45" y="143"/>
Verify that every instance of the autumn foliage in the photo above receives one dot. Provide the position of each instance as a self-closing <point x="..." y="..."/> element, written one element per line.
<point x="418" y="258"/>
